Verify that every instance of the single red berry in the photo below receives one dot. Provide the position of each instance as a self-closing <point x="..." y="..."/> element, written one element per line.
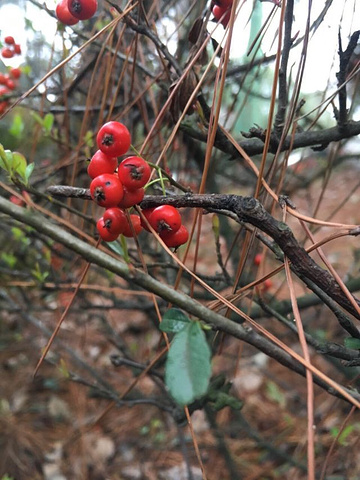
<point x="175" y="239"/>
<point x="106" y="190"/>
<point x="218" y="13"/>
<point x="10" y="84"/>
<point x="258" y="259"/>
<point x="115" y="220"/>
<point x="134" y="172"/>
<point x="3" y="106"/>
<point x="4" y="91"/>
<point x="104" y="232"/>
<point x="16" y="200"/>
<point x="146" y="212"/>
<point x="63" y="13"/>
<point x="114" y="139"/>
<point x="7" y="52"/>
<point x="131" y="197"/>
<point x="9" y="40"/>
<point x="17" y="49"/>
<point x="165" y="219"/>
<point x="101" y="163"/>
<point x="136" y="226"/>
<point x="15" y="73"/>
<point x="2" y="79"/>
<point x="267" y="284"/>
<point x="82" y="9"/>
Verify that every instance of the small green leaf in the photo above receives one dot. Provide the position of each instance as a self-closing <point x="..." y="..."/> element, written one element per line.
<point x="274" y="393"/>
<point x="188" y="364"/>
<point x="9" y="259"/>
<point x="19" y="164"/>
<point x="6" y="160"/>
<point x="353" y="343"/>
<point x="174" y="321"/>
<point x="37" y="118"/>
<point x="48" y="122"/>
<point x="28" y="171"/>
<point x="89" y="139"/>
<point x="17" y="126"/>
<point x="116" y="247"/>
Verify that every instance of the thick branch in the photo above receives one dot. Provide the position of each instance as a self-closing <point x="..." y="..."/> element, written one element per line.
<point x="318" y="139"/>
<point x="251" y="211"/>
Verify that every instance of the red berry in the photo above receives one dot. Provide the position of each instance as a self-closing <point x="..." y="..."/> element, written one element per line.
<point x="131" y="197"/>
<point x="146" y="212"/>
<point x="63" y="14"/>
<point x="136" y="224"/>
<point x="3" y="106"/>
<point x="4" y="91"/>
<point x="15" y="73"/>
<point x="114" y="139"/>
<point x="134" y="172"/>
<point x="7" y="52"/>
<point x="17" y="49"/>
<point x="82" y="9"/>
<point x="16" y="200"/>
<point x="258" y="259"/>
<point x="104" y="232"/>
<point x="175" y="239"/>
<point x="101" y="163"/>
<point x="165" y="219"/>
<point x="2" y="79"/>
<point x="218" y="13"/>
<point x="106" y="190"/>
<point x="10" y="84"/>
<point x="9" y="40"/>
<point x="115" y="220"/>
<point x="267" y="284"/>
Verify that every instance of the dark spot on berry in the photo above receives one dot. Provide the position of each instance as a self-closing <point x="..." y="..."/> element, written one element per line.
<point x="99" y="194"/>
<point x="108" y="139"/>
<point x="76" y="6"/>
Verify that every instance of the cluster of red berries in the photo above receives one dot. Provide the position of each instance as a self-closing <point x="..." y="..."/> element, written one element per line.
<point x="8" y="82"/>
<point x="11" y="49"/>
<point x="119" y="187"/>
<point x="69" y="12"/>
<point x="221" y="10"/>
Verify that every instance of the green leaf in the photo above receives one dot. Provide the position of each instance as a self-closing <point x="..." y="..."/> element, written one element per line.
<point x="37" y="118"/>
<point x="17" y="126"/>
<point x="89" y="138"/>
<point x="48" y="122"/>
<point x="353" y="343"/>
<point x="274" y="393"/>
<point x="19" y="164"/>
<point x="6" y="160"/>
<point x="188" y="364"/>
<point x="116" y="247"/>
<point x="28" y="171"/>
<point x="174" y="321"/>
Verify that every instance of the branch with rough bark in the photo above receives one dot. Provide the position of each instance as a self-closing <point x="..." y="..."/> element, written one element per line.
<point x="249" y="210"/>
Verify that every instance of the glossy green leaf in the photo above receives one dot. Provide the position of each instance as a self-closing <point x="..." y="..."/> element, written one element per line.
<point x="28" y="171"/>
<point x="174" y="321"/>
<point x="19" y="164"/>
<point x="188" y="364"/>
